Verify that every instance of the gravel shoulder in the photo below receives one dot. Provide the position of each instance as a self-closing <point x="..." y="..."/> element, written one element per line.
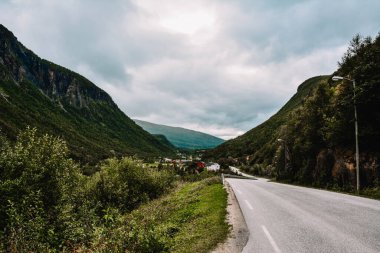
<point x="238" y="236"/>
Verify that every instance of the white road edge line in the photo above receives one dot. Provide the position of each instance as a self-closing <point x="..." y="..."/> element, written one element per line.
<point x="248" y="204"/>
<point x="272" y="242"/>
<point x="239" y="192"/>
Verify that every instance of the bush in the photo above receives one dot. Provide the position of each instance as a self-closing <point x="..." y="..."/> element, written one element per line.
<point x="46" y="204"/>
<point x="36" y="180"/>
<point x="125" y="183"/>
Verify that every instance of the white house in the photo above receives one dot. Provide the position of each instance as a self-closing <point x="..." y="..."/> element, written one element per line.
<point x="213" y="167"/>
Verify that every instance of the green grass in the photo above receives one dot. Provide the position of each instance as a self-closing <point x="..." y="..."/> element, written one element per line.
<point x="190" y="219"/>
<point x="371" y="193"/>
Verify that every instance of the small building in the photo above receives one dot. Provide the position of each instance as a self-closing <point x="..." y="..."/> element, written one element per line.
<point x="168" y="160"/>
<point x="213" y="167"/>
<point x="201" y="165"/>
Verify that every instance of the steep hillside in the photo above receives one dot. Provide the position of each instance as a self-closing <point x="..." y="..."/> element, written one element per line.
<point x="41" y="94"/>
<point x="259" y="139"/>
<point x="317" y="132"/>
<point x="181" y="137"/>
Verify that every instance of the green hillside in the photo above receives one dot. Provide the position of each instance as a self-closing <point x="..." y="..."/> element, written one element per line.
<point x="181" y="137"/>
<point x="37" y="93"/>
<point x="317" y="129"/>
<point x="164" y="140"/>
<point x="258" y="141"/>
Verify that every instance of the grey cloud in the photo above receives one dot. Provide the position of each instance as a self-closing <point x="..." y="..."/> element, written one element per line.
<point x="299" y="27"/>
<point x="223" y="81"/>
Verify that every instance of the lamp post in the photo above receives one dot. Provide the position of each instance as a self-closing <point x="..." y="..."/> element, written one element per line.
<point x="337" y="78"/>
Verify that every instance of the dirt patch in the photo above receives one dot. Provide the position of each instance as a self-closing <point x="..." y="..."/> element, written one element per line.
<point x="239" y="234"/>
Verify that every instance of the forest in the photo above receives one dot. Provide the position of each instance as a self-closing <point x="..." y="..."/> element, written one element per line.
<point x="321" y="135"/>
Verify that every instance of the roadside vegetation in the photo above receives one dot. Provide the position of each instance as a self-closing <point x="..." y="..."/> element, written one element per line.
<point x="181" y="221"/>
<point x="48" y="204"/>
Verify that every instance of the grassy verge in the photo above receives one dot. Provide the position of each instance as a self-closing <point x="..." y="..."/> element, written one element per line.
<point x="371" y="193"/>
<point x="190" y="219"/>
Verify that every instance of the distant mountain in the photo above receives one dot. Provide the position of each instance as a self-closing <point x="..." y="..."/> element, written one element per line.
<point x="162" y="138"/>
<point x="41" y="94"/>
<point x="181" y="137"/>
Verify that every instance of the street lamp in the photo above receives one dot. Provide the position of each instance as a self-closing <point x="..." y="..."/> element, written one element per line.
<point x="337" y="78"/>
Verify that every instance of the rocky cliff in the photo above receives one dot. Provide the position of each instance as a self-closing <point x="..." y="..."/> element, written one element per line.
<point x="41" y="94"/>
<point x="59" y="84"/>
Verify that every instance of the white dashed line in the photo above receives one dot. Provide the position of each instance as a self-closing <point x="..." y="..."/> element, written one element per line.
<point x="248" y="204"/>
<point x="272" y="242"/>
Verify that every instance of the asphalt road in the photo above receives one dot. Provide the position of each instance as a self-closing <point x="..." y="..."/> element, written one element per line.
<point x="285" y="218"/>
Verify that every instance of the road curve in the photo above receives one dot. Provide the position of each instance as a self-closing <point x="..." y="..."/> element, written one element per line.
<point x="285" y="218"/>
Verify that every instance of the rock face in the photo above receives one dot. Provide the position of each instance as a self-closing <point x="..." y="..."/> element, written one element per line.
<point x="35" y="92"/>
<point x="56" y="82"/>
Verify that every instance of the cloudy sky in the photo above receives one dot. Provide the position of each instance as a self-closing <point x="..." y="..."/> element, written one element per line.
<point x="218" y="66"/>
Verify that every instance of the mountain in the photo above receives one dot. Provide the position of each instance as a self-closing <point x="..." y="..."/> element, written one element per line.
<point x="259" y="140"/>
<point x="181" y="137"/>
<point x="38" y="93"/>
<point x="312" y="139"/>
<point x="162" y="138"/>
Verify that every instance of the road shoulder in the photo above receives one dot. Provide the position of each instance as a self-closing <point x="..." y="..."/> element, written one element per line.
<point x="238" y="236"/>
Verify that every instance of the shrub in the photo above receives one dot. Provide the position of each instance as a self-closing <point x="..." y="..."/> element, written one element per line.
<point x="46" y="204"/>
<point x="36" y="180"/>
<point x="125" y="183"/>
